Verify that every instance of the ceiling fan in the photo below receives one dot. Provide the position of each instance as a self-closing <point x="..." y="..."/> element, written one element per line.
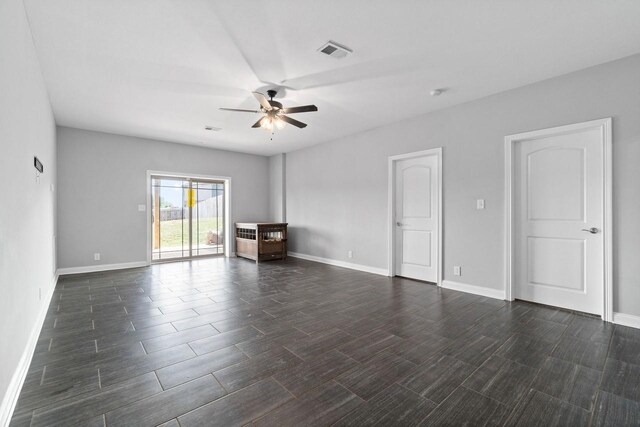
<point x="275" y="113"/>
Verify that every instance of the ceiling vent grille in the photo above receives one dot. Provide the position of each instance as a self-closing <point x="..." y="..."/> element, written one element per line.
<point x="335" y="50"/>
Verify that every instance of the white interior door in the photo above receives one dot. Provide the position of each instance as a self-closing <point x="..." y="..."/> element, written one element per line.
<point x="416" y="218"/>
<point x="559" y="218"/>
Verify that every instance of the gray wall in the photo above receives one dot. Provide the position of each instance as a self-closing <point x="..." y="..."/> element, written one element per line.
<point x="27" y="222"/>
<point x="277" y="194"/>
<point x="337" y="192"/>
<point x="102" y="180"/>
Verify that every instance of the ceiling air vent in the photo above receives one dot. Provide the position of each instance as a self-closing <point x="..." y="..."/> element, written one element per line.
<point x="334" y="50"/>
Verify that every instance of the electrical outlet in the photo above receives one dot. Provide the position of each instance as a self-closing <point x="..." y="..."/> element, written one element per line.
<point x="142" y="208"/>
<point x="480" y="204"/>
<point x="96" y="256"/>
<point x="350" y="254"/>
<point x="457" y="270"/>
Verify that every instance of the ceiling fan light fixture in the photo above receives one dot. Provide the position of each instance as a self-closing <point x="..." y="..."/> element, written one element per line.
<point x="267" y="123"/>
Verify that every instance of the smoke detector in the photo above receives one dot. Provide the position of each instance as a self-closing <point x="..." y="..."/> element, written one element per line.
<point x="335" y="50"/>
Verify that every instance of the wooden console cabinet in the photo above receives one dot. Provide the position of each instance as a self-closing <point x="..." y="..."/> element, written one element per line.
<point x="261" y="241"/>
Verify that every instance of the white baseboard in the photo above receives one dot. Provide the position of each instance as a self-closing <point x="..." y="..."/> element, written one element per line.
<point x="473" y="289"/>
<point x="101" y="267"/>
<point x="352" y="266"/>
<point x="20" y="374"/>
<point x="626" y="320"/>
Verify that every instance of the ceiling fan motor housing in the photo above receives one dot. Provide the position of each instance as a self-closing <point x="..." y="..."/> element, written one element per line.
<point x="274" y="104"/>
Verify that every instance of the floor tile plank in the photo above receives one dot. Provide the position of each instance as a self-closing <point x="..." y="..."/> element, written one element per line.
<point x="166" y="405"/>
<point x="196" y="367"/>
<point x="393" y="406"/>
<point x="502" y="380"/>
<point x="622" y="379"/>
<point x="321" y="406"/>
<point x="583" y="352"/>
<point x="539" y="409"/>
<point x="376" y="374"/>
<point x="466" y="407"/>
<point x="255" y="369"/>
<point x="567" y="381"/>
<point x="239" y="408"/>
<point x="615" y="411"/>
<point x="438" y="377"/>
<point x="76" y="410"/>
<point x="314" y="372"/>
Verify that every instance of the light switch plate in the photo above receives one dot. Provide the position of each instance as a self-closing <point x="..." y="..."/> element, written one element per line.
<point x="480" y="204"/>
<point x="142" y="208"/>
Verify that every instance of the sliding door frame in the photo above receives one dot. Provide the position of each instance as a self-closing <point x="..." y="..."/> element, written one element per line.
<point x="227" y="207"/>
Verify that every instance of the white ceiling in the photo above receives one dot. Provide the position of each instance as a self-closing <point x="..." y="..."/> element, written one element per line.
<point x="161" y="68"/>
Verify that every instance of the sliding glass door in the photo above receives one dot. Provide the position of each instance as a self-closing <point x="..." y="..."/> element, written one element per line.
<point x="187" y="218"/>
<point x="207" y="214"/>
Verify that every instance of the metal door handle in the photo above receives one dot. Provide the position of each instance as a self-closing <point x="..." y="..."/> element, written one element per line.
<point x="591" y="230"/>
<point x="399" y="224"/>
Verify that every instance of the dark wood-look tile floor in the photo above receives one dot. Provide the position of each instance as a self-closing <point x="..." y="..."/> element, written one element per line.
<point x="228" y="342"/>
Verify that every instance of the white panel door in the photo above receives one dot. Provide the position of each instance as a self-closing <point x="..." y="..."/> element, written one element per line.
<point x="559" y="200"/>
<point x="416" y="216"/>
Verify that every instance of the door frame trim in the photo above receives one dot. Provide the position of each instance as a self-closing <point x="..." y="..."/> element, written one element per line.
<point x="604" y="125"/>
<point x="227" y="206"/>
<point x="391" y="189"/>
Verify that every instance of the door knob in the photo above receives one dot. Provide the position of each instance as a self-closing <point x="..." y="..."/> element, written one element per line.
<point x="591" y="230"/>
<point x="399" y="224"/>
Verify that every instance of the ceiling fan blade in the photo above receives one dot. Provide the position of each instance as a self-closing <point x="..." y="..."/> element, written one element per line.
<point x="240" y="110"/>
<point x="292" y="121"/>
<point x="262" y="100"/>
<point x="301" y="109"/>
<point x="258" y="123"/>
